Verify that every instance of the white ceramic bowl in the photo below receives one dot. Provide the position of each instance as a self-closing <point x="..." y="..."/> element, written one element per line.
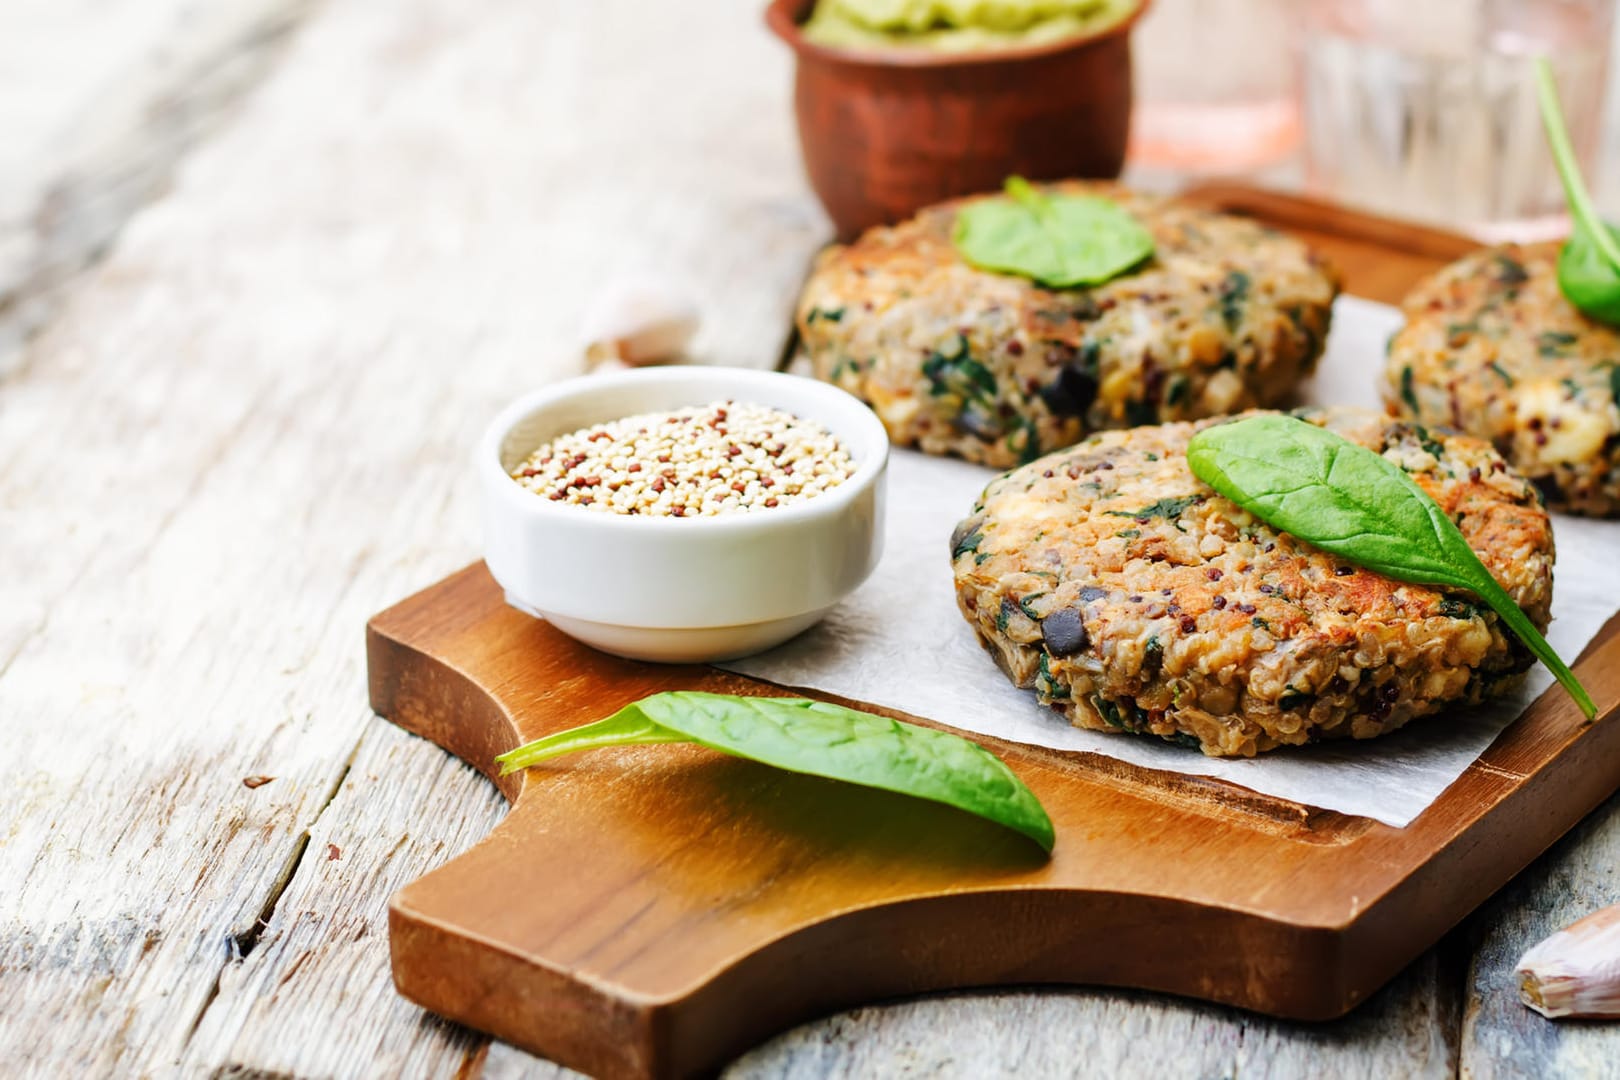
<point x="680" y="589"/>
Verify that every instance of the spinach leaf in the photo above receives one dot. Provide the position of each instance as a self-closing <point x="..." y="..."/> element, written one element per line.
<point x="1060" y="241"/>
<point x="1552" y="343"/>
<point x="1234" y="291"/>
<point x="1589" y="262"/>
<point x="1510" y="271"/>
<point x="1408" y="394"/>
<point x="819" y="739"/>
<point x="951" y="369"/>
<point x="967" y="541"/>
<point x="1353" y="503"/>
<point x="1170" y="508"/>
<point x="954" y="375"/>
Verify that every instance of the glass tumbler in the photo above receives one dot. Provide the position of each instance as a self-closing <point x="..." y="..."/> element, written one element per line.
<point x="1427" y="111"/>
<point x="1215" y="86"/>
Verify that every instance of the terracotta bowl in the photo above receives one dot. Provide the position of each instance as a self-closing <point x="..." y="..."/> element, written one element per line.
<point x="885" y="133"/>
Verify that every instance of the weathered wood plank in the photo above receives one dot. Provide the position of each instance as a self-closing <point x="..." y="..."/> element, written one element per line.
<point x="313" y="998"/>
<point x="1408" y="1030"/>
<point x="98" y="102"/>
<point x="1501" y="1038"/>
<point x="1109" y="1034"/>
<point x="247" y="431"/>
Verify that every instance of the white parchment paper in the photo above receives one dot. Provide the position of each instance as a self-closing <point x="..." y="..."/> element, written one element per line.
<point x="900" y="642"/>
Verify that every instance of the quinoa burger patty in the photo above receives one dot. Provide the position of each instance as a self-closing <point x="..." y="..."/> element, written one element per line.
<point x="1134" y="598"/>
<point x="1492" y="347"/>
<point x="1226" y="315"/>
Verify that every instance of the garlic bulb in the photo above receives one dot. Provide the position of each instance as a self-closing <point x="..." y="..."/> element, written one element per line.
<point x="1576" y="972"/>
<point x="645" y="319"/>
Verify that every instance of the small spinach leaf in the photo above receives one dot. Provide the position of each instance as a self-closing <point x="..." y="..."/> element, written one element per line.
<point x="1060" y="241"/>
<point x="966" y="538"/>
<point x="956" y="377"/>
<point x="951" y="369"/>
<point x="1353" y="503"/>
<point x="1408" y="393"/>
<point x="819" y="739"/>
<point x="1170" y="508"/>
<point x="1551" y="343"/>
<point x="1234" y="291"/>
<point x="1589" y="262"/>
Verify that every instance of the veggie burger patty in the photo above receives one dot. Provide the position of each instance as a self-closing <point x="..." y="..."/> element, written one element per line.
<point x="1134" y="598"/>
<point x="1226" y="315"/>
<point x="1491" y="347"/>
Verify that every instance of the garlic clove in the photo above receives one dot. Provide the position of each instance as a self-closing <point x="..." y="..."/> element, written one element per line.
<point x="1576" y="972"/>
<point x="642" y="319"/>
<point x="602" y="361"/>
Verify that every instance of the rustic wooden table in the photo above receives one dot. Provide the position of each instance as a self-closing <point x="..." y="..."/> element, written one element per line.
<point x="266" y="267"/>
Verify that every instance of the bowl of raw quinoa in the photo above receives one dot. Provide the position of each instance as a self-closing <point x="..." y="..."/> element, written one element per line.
<point x="682" y="514"/>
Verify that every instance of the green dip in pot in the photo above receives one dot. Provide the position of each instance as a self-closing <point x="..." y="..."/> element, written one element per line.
<point x="959" y="25"/>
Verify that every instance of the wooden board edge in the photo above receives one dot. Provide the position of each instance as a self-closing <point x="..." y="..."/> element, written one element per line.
<point x="508" y="995"/>
<point x="418" y="690"/>
<point x="889" y="951"/>
<point x="412" y="688"/>
<point x="1518" y="753"/>
<point x="1499" y="806"/>
<point x="421" y="693"/>
<point x="1290" y="211"/>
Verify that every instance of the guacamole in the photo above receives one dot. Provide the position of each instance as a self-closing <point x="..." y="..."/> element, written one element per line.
<point x="958" y="25"/>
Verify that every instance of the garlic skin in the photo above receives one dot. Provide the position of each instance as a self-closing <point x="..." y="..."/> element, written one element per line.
<point x="640" y="319"/>
<point x="1576" y="972"/>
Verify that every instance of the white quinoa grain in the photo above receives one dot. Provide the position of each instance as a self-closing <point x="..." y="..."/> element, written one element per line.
<point x="722" y="458"/>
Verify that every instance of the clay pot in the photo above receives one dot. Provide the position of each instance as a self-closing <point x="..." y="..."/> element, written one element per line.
<point x="885" y="133"/>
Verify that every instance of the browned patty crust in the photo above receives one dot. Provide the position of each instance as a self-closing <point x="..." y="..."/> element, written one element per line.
<point x="1491" y="347"/>
<point x="1226" y="315"/>
<point x="1134" y="598"/>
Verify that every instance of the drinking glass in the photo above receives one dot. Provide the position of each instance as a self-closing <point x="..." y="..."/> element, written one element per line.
<point x="1427" y="110"/>
<point x="1215" y="86"/>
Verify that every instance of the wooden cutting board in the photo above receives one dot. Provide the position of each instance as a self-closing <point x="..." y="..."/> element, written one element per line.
<point x="653" y="911"/>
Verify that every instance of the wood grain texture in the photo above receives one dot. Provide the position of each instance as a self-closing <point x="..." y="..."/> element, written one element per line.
<point x="98" y="102"/>
<point x="317" y="967"/>
<point x="1407" y="1030"/>
<point x="1500" y="1037"/>
<point x="672" y="906"/>
<point x="1102" y="1035"/>
<point x="247" y="430"/>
